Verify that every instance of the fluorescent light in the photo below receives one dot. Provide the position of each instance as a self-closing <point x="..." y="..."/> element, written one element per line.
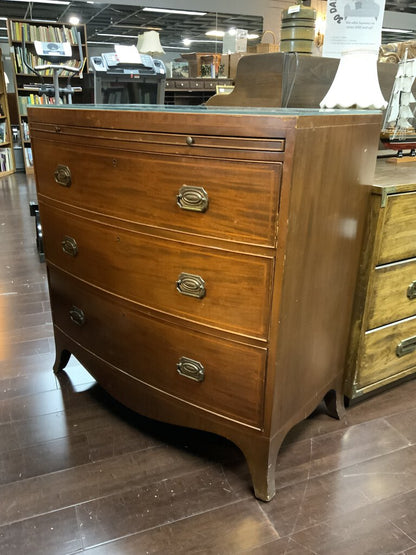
<point x="214" y="33"/>
<point x="100" y="42"/>
<point x="405" y="31"/>
<point x="167" y="10"/>
<point x="252" y="36"/>
<point x="190" y="41"/>
<point x="111" y="35"/>
<point x="64" y="2"/>
<point x="175" y="47"/>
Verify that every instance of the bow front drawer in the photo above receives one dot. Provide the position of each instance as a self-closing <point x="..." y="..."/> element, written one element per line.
<point x="194" y="367"/>
<point x="229" y="199"/>
<point x="228" y="290"/>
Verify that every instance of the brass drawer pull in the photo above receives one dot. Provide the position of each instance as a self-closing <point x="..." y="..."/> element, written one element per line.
<point x="63" y="175"/>
<point x="190" y="141"/>
<point x="406" y="347"/>
<point x="191" y="285"/>
<point x="191" y="369"/>
<point x="69" y="246"/>
<point x="192" y="198"/>
<point x="411" y="291"/>
<point x="77" y="316"/>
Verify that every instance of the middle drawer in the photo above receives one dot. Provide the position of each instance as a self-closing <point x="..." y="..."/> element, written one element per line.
<point x="393" y="294"/>
<point x="226" y="290"/>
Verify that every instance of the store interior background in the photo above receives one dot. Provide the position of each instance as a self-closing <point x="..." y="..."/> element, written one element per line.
<point x="119" y="21"/>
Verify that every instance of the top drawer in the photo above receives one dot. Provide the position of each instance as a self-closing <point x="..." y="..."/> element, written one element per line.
<point x="229" y="199"/>
<point x="398" y="240"/>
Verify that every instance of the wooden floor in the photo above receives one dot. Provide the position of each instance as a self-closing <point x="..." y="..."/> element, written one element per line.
<point x="79" y="473"/>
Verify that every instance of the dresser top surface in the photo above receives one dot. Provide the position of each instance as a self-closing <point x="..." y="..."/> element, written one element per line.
<point x="223" y="110"/>
<point x="394" y="178"/>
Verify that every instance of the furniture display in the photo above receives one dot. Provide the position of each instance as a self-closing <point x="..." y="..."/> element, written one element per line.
<point x="7" y="165"/>
<point x="383" y="339"/>
<point x="202" y="262"/>
<point x="26" y="82"/>
<point x="191" y="92"/>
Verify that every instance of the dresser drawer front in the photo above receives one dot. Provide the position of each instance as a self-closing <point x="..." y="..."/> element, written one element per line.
<point x="163" y="274"/>
<point x="231" y="382"/>
<point x="393" y="295"/>
<point x="387" y="351"/>
<point x="241" y="196"/>
<point x="399" y="232"/>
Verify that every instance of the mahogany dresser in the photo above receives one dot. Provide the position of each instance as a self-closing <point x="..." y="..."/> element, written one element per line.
<point x="202" y="261"/>
<point x="383" y="339"/>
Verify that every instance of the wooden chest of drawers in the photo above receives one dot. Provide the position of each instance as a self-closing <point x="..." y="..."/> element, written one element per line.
<point x="383" y="339"/>
<point x="202" y="262"/>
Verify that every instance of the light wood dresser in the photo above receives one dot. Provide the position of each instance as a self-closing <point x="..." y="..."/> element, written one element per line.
<point x="383" y="339"/>
<point x="202" y="261"/>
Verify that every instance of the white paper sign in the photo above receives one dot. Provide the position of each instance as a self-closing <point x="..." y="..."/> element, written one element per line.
<point x="352" y="25"/>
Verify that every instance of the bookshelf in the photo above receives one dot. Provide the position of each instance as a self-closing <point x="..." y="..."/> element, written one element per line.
<point x="27" y="82"/>
<point x="6" y="145"/>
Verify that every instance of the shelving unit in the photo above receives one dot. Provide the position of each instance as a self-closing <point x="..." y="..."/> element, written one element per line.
<point x="26" y="82"/>
<point x="7" y="165"/>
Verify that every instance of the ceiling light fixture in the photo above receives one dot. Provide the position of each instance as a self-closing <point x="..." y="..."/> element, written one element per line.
<point x="214" y="33"/>
<point x="112" y="35"/>
<point x="74" y="20"/>
<point x="167" y="10"/>
<point x="120" y="26"/>
<point x="187" y="42"/>
<point x="61" y="2"/>
<point x="405" y="31"/>
<point x="252" y="36"/>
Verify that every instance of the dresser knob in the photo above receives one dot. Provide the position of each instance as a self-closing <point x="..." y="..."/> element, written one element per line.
<point x="77" y="316"/>
<point x="192" y="198"/>
<point x="191" y="285"/>
<point x="190" y="141"/>
<point x="63" y="175"/>
<point x="191" y="369"/>
<point x="411" y="291"/>
<point x="406" y="347"/>
<point x="69" y="246"/>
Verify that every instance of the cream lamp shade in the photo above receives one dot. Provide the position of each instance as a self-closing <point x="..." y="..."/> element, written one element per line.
<point x="150" y="43"/>
<point x="356" y="84"/>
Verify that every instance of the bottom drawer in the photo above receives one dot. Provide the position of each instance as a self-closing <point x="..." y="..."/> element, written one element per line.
<point x="388" y="353"/>
<point x="215" y="374"/>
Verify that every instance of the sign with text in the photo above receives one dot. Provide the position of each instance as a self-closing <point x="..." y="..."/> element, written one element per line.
<point x="352" y="25"/>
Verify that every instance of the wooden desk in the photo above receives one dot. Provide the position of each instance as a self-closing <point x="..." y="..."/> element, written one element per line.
<point x="383" y="340"/>
<point x="201" y="262"/>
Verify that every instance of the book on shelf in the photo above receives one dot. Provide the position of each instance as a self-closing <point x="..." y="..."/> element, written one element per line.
<point x="3" y="132"/>
<point x="45" y="33"/>
<point x="28" y="157"/>
<point x="33" y="60"/>
<point x="25" y="130"/>
<point x="5" y="159"/>
<point x="34" y="99"/>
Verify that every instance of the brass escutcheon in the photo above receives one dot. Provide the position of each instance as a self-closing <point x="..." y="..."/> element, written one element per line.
<point x="69" y="246"/>
<point x="63" y="175"/>
<point x="77" y="316"/>
<point x="191" y="369"/>
<point x="192" y="198"/>
<point x="191" y="285"/>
